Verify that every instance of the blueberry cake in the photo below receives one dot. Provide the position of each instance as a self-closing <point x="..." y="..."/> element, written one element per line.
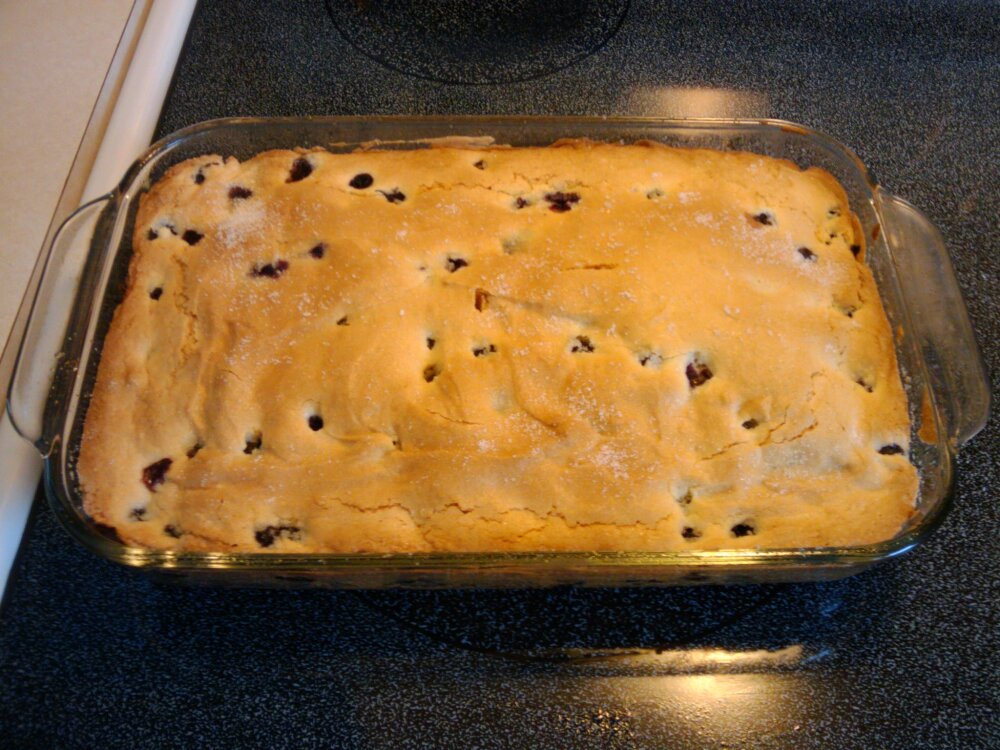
<point x="578" y="347"/>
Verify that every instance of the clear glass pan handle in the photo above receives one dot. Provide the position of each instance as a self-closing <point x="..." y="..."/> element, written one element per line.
<point x="938" y="318"/>
<point x="40" y="350"/>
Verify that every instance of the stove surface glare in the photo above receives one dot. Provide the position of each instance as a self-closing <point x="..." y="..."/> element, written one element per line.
<point x="478" y="41"/>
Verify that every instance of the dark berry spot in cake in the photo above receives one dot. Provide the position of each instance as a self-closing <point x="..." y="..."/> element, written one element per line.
<point x="582" y="344"/>
<point x="266" y="537"/>
<point x="342" y="321"/>
<point x="393" y="196"/>
<point x="743" y="529"/>
<point x="698" y="373"/>
<point x="650" y="359"/>
<point x="520" y="202"/>
<point x="173" y="531"/>
<point x="315" y="422"/>
<point x="238" y="193"/>
<point x="890" y="450"/>
<point x="686" y="498"/>
<point x="764" y="217"/>
<point x="561" y="202"/>
<point x="750" y="424"/>
<point x="193" y="450"/>
<point x="431" y="372"/>
<point x="137" y="514"/>
<point x="199" y="177"/>
<point x="690" y="533"/>
<point x="301" y="168"/>
<point x="453" y="264"/>
<point x="480" y="164"/>
<point x="270" y="270"/>
<point x="156" y="293"/>
<point x="317" y="251"/>
<point x="865" y="384"/>
<point x="855" y="250"/>
<point x="482" y="351"/>
<point x="154" y="233"/>
<point x="253" y="443"/>
<point x="482" y="299"/>
<point x="362" y="181"/>
<point x="192" y="237"/>
<point x="806" y="253"/>
<point x="431" y="342"/>
<point x="154" y="474"/>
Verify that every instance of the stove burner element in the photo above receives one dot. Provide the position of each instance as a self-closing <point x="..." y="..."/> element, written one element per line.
<point x="567" y="624"/>
<point x="478" y="42"/>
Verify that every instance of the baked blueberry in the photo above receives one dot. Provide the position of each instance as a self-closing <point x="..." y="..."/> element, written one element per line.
<point x="481" y="351"/>
<point x="743" y="529"/>
<point x="582" y="344"/>
<point x="154" y="233"/>
<point x="253" y="443"/>
<point x="266" y="537"/>
<point x="156" y="293"/>
<point x="238" y="192"/>
<point x="192" y="237"/>
<point x="453" y="264"/>
<point x="561" y="202"/>
<point x="431" y="372"/>
<point x="154" y="474"/>
<point x="362" y="181"/>
<point x="315" y="422"/>
<point x="891" y="450"/>
<point x="317" y="251"/>
<point x="806" y="253"/>
<point x="301" y="168"/>
<point x="698" y="373"/>
<point x="270" y="270"/>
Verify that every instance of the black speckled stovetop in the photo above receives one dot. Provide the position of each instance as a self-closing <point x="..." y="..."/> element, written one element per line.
<point x="904" y="656"/>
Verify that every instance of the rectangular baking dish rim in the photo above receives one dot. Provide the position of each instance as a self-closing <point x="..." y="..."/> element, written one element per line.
<point x="85" y="531"/>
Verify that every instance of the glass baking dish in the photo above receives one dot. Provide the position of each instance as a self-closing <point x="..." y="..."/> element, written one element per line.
<point x="87" y="262"/>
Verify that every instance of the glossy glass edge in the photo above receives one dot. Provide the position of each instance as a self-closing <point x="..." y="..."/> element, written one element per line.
<point x="854" y="557"/>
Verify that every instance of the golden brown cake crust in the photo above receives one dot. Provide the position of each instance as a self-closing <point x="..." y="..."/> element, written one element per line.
<point x="579" y="347"/>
